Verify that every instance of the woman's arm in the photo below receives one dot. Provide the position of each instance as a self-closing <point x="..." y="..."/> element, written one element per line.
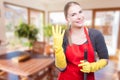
<point x="60" y="59"/>
<point x="100" y="46"/>
<point x="102" y="51"/>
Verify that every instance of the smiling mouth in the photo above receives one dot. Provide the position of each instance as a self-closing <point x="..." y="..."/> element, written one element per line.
<point x="79" y="22"/>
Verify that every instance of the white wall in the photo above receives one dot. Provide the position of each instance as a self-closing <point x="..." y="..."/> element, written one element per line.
<point x="28" y="3"/>
<point x="2" y="23"/>
<point x="2" y="27"/>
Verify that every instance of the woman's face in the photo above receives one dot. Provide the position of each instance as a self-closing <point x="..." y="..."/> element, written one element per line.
<point x="75" y="16"/>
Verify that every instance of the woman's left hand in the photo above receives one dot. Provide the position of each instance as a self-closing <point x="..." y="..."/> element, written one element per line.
<point x="92" y="67"/>
<point x="85" y="66"/>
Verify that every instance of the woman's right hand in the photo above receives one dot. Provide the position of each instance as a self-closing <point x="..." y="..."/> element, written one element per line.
<point x="58" y="34"/>
<point x="60" y="59"/>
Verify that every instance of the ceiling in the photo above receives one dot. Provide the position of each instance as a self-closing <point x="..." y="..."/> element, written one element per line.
<point x="86" y="4"/>
<point x="58" y="5"/>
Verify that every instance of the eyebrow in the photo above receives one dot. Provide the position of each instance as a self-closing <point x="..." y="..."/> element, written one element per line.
<point x="74" y="12"/>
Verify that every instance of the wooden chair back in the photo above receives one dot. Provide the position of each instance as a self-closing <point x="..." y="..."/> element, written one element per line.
<point x="38" y="47"/>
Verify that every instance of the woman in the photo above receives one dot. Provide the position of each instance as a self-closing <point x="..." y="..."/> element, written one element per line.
<point x="70" y="47"/>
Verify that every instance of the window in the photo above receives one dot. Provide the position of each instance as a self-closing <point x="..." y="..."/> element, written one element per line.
<point x="108" y="23"/>
<point x="36" y="18"/>
<point x="13" y="16"/>
<point x="57" y="18"/>
<point x="88" y="17"/>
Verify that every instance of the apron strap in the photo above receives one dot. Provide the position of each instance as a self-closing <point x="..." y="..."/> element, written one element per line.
<point x="91" y="56"/>
<point x="85" y="30"/>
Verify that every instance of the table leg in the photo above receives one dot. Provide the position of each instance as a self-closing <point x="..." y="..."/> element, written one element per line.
<point x="118" y="75"/>
<point x="26" y="78"/>
<point x="2" y="72"/>
<point x="2" y="75"/>
<point x="50" y="72"/>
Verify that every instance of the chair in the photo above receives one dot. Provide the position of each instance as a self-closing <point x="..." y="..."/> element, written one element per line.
<point x="38" y="47"/>
<point x="2" y="75"/>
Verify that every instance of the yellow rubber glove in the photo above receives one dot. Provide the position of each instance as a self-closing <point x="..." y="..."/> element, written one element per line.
<point x="60" y="59"/>
<point x="92" y="67"/>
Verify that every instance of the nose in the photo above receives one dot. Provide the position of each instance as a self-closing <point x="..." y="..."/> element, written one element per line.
<point x="80" y="17"/>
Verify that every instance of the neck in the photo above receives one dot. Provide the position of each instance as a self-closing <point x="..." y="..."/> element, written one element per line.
<point x="77" y="29"/>
<point x="78" y="36"/>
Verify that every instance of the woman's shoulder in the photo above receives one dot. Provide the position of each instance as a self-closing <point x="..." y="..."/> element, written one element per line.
<point x="93" y="31"/>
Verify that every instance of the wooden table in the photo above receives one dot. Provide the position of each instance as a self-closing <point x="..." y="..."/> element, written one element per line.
<point x="29" y="68"/>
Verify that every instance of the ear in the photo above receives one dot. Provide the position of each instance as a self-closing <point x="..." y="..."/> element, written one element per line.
<point x="68" y="20"/>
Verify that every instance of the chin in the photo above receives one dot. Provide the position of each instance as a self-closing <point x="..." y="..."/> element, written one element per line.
<point x="80" y="25"/>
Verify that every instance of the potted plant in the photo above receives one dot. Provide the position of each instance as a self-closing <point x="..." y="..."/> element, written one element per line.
<point x="27" y="31"/>
<point x="47" y="30"/>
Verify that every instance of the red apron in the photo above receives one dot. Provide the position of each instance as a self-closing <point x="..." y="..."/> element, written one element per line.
<point x="74" y="54"/>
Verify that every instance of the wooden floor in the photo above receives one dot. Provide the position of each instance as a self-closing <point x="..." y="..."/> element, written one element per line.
<point x="108" y="73"/>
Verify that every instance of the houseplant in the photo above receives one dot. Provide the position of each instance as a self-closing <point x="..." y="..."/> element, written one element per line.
<point x="47" y="29"/>
<point x="27" y="31"/>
